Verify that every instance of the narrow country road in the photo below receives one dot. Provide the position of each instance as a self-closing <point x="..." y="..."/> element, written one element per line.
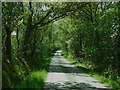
<point x="63" y="75"/>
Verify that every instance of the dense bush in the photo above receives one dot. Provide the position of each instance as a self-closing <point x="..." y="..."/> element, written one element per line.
<point x="91" y="38"/>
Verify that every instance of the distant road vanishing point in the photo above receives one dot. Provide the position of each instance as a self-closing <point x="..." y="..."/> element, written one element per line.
<point x="63" y="75"/>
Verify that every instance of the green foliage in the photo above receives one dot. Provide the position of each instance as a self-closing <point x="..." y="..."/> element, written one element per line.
<point x="101" y="78"/>
<point x="88" y="32"/>
<point x="34" y="80"/>
<point x="24" y="49"/>
<point x="90" y="38"/>
<point x="37" y="77"/>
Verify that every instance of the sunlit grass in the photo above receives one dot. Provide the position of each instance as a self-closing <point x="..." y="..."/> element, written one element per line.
<point x="37" y="78"/>
<point x="102" y="79"/>
<point x="34" y="80"/>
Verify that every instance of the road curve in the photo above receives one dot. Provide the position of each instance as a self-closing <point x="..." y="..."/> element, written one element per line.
<point x="63" y="75"/>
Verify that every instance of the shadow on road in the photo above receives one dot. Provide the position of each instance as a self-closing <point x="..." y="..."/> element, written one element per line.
<point x="64" y="69"/>
<point x="72" y="86"/>
<point x="63" y="75"/>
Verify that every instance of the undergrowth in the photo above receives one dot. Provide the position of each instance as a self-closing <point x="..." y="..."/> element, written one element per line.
<point x="96" y="75"/>
<point x="37" y="78"/>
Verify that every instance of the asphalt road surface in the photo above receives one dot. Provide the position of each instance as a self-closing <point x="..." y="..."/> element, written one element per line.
<point x="63" y="75"/>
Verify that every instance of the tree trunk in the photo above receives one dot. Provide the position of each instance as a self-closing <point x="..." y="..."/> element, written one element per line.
<point x="17" y="38"/>
<point x="8" y="44"/>
<point x="80" y="44"/>
<point x="118" y="40"/>
<point x="34" y="47"/>
<point x="28" y="31"/>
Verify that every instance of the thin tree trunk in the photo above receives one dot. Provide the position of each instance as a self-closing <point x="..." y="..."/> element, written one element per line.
<point x="118" y="41"/>
<point x="24" y="63"/>
<point x="8" y="44"/>
<point x="17" y="37"/>
<point x="34" y="49"/>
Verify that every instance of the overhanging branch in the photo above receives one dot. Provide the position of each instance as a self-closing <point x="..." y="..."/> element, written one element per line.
<point x="41" y="19"/>
<point x="54" y="19"/>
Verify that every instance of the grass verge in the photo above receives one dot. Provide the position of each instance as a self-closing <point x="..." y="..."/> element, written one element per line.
<point x="34" y="80"/>
<point x="37" y="78"/>
<point x="102" y="79"/>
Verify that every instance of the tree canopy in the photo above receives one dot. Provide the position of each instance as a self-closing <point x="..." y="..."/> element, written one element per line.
<point x="86" y="31"/>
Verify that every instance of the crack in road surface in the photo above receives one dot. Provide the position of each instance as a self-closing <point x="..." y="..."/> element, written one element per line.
<point x="63" y="75"/>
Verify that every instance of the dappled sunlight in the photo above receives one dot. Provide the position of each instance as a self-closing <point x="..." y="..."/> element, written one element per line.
<point x="34" y="80"/>
<point x="62" y="74"/>
<point x="72" y="85"/>
<point x="85" y="33"/>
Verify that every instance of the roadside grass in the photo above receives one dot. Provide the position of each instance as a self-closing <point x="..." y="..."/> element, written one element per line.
<point x="102" y="79"/>
<point x="37" y="78"/>
<point x="34" y="80"/>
